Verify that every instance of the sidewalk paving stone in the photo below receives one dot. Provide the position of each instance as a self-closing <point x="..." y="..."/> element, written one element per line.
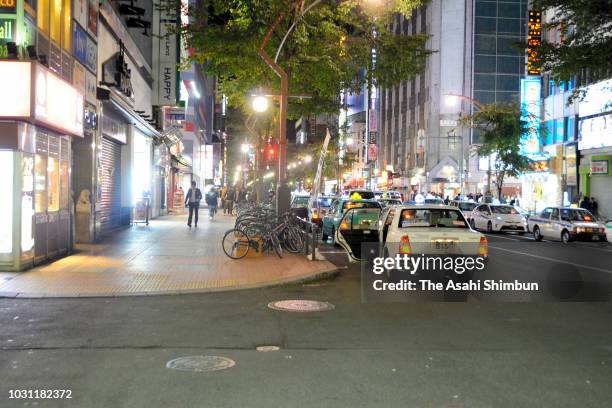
<point x="165" y="257"/>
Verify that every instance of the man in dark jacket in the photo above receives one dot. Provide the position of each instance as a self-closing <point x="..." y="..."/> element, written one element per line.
<point x="194" y="195"/>
<point x="212" y="198"/>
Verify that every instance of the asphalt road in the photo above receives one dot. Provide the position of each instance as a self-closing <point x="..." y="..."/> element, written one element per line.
<point x="533" y="352"/>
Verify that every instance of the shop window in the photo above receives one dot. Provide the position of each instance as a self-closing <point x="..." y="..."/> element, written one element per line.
<point x="66" y="27"/>
<point x="53" y="188"/>
<point x="42" y="16"/>
<point x="559" y="130"/>
<point x="64" y="201"/>
<point x="40" y="183"/>
<point x="570" y="129"/>
<point x="549" y="135"/>
<point x="55" y="29"/>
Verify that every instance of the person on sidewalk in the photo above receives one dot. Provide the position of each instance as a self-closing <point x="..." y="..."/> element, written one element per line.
<point x="229" y="200"/>
<point x="194" y="195"/>
<point x="212" y="198"/>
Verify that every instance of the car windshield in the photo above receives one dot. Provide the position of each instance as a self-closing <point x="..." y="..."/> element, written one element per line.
<point x="325" y="201"/>
<point x="503" y="209"/>
<point x="300" y="202"/>
<point x="434" y="201"/>
<point x="576" y="215"/>
<point x="432" y="217"/>
<point x="467" y="206"/>
<point x="359" y="204"/>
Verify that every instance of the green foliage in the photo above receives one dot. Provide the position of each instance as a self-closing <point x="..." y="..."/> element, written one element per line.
<point x="501" y="128"/>
<point x="584" y="41"/>
<point x="324" y="54"/>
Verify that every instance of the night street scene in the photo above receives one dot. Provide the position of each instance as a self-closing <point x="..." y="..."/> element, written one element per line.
<point x="306" y="203"/>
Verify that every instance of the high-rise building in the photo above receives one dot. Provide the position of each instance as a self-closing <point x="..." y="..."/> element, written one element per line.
<point x="477" y="60"/>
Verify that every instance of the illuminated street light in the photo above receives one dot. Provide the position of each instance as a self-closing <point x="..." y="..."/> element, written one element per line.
<point x="238" y="168"/>
<point x="260" y="104"/>
<point x="349" y="141"/>
<point x="245" y="148"/>
<point x="308" y="159"/>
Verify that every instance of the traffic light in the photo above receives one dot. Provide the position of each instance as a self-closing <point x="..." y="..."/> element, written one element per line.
<point x="271" y="152"/>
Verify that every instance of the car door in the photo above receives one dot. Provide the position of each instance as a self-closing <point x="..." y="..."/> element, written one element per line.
<point x="327" y="219"/>
<point x="553" y="229"/>
<point x="483" y="216"/>
<point x="544" y="223"/>
<point x="358" y="226"/>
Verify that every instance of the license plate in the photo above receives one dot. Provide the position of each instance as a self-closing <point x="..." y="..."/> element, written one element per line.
<point x="366" y="231"/>
<point x="439" y="245"/>
<point x="589" y="230"/>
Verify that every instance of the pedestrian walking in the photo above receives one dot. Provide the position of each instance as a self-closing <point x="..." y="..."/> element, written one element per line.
<point x="585" y="203"/>
<point x="194" y="196"/>
<point x="212" y="198"/>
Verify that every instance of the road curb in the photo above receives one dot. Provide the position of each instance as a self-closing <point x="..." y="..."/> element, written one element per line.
<point x="319" y="276"/>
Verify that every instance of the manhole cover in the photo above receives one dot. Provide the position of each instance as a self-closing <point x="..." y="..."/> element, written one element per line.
<point x="267" y="348"/>
<point x="200" y="363"/>
<point x="300" y="305"/>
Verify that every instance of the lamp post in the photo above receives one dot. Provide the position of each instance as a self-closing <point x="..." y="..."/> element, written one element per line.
<point x="477" y="104"/>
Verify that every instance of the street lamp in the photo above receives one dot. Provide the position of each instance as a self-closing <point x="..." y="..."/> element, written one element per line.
<point x="245" y="148"/>
<point x="308" y="159"/>
<point x="260" y="104"/>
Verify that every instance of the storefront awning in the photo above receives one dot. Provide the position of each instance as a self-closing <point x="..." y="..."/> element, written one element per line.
<point x="171" y="136"/>
<point x="130" y="115"/>
<point x="180" y="163"/>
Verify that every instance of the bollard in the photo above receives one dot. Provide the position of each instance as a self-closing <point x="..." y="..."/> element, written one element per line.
<point x="314" y="241"/>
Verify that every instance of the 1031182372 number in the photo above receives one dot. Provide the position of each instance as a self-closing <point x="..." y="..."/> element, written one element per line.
<point x="40" y="394"/>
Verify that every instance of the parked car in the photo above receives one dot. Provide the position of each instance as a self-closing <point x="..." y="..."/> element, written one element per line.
<point x="392" y="194"/>
<point x="609" y="230"/>
<point x="497" y="218"/>
<point x="331" y="220"/>
<point x="319" y="208"/>
<point x="299" y="205"/>
<point x="465" y="207"/>
<point x="566" y="224"/>
<point x="411" y="229"/>
<point x="386" y="202"/>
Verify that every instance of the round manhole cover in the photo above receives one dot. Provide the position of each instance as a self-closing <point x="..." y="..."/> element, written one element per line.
<point x="300" y="305"/>
<point x="200" y="363"/>
<point x="267" y="348"/>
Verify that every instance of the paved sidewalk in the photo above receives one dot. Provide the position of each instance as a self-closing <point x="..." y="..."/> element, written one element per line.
<point x="164" y="258"/>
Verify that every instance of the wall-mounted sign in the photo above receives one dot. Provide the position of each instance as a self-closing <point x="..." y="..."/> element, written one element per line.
<point x="117" y="75"/>
<point x="80" y="10"/>
<point x="596" y="99"/>
<point x="165" y="59"/>
<point x="79" y="44"/>
<point x="571" y="169"/>
<point x="531" y="89"/>
<point x="91" y="87"/>
<point x="57" y="103"/>
<point x="534" y="40"/>
<point x="15" y="78"/>
<point x="7" y="6"/>
<point x="92" y="20"/>
<point x="79" y="78"/>
<point x="599" y="167"/>
<point x="7" y="33"/>
<point x="595" y="132"/>
<point x="114" y="129"/>
<point x="91" y="57"/>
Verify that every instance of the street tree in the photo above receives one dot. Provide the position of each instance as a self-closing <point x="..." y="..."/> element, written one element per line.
<point x="327" y="51"/>
<point x="579" y="40"/>
<point x="501" y="128"/>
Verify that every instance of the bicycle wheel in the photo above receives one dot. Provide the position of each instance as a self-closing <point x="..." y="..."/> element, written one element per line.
<point x="292" y="240"/>
<point x="236" y="244"/>
<point x="276" y="245"/>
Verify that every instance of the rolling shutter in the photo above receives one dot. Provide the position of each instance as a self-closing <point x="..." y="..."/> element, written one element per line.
<point x="110" y="203"/>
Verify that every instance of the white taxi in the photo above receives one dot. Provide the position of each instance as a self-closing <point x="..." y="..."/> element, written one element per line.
<point x="566" y="224"/>
<point x="410" y="229"/>
<point x="497" y="218"/>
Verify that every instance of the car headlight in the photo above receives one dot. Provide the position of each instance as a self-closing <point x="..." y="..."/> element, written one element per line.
<point x="524" y="219"/>
<point x="579" y="229"/>
<point x="498" y="218"/>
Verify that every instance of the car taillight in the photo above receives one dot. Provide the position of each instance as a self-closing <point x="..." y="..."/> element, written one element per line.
<point x="483" y="247"/>
<point x="405" y="247"/>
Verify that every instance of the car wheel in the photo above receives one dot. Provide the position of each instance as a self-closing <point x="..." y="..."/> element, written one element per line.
<point x="489" y="227"/>
<point x="324" y="236"/>
<point x="565" y="237"/>
<point x="536" y="233"/>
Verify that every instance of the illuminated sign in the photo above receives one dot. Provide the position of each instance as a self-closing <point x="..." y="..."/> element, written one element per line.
<point x="79" y="43"/>
<point x="15" y="81"/>
<point x="7" y="29"/>
<point x="534" y="40"/>
<point x="596" y="99"/>
<point x="531" y="89"/>
<point x="6" y="202"/>
<point x="7" y="6"/>
<point x="595" y="132"/>
<point x="599" y="167"/>
<point x="539" y="166"/>
<point x="57" y="103"/>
